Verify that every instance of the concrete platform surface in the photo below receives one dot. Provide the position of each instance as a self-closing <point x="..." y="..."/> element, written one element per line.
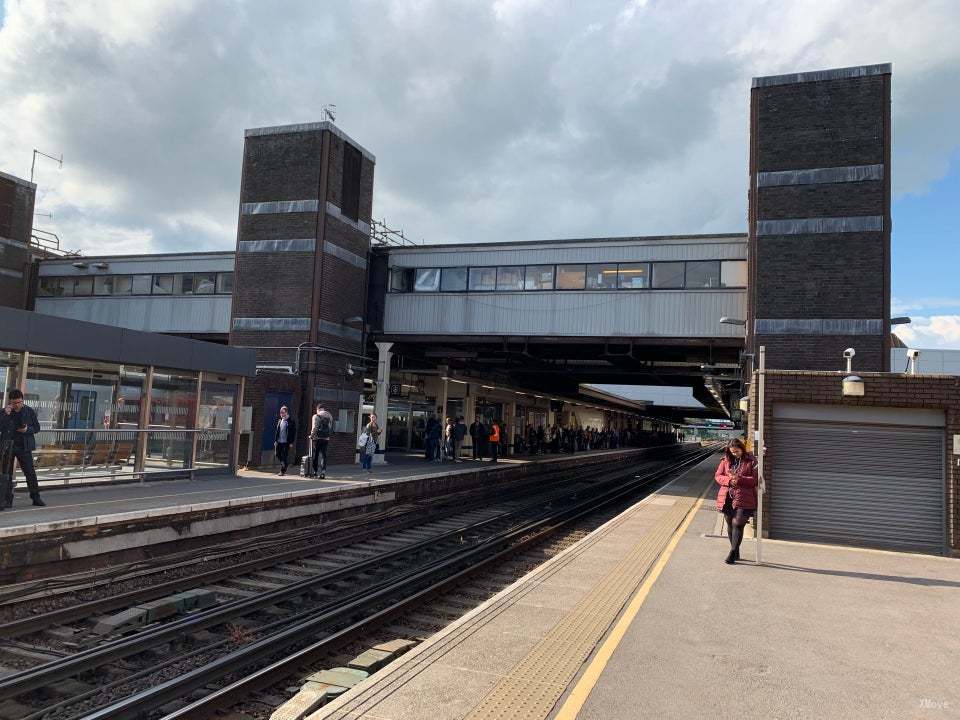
<point x="107" y="499"/>
<point x="817" y="631"/>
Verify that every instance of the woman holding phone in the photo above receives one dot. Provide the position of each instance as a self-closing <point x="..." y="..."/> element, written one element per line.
<point x="737" y="497"/>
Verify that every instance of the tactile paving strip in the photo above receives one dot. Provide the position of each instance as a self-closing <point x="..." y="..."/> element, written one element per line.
<point x="534" y="685"/>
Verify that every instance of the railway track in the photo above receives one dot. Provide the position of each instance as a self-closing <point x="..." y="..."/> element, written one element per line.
<point x="281" y="613"/>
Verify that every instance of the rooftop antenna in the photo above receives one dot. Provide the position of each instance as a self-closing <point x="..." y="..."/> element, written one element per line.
<point x="330" y="112"/>
<point x="33" y="163"/>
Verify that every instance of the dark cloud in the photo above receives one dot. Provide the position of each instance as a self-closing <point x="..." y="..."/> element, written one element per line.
<point x="509" y="120"/>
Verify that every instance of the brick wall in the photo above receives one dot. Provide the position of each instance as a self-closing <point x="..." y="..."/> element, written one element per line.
<point x="16" y="225"/>
<point x="815" y="125"/>
<point x="318" y="285"/>
<point x="939" y="392"/>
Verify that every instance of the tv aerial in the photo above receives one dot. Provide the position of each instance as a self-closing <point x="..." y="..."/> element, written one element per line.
<point x="330" y="112"/>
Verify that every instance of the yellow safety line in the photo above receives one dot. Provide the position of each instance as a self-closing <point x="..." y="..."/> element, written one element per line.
<point x="588" y="680"/>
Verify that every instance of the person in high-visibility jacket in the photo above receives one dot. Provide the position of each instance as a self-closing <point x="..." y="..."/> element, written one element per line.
<point x="494" y="441"/>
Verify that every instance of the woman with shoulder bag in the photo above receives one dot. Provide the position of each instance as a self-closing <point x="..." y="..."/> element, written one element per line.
<point x="737" y="496"/>
<point x="367" y="443"/>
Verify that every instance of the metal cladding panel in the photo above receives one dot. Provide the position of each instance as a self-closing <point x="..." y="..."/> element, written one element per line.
<point x="184" y="315"/>
<point x="858" y="484"/>
<point x="547" y="253"/>
<point x="663" y="313"/>
<point x="43" y="334"/>
<point x="135" y="265"/>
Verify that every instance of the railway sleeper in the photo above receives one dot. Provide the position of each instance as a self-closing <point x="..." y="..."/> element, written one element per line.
<point x="138" y="616"/>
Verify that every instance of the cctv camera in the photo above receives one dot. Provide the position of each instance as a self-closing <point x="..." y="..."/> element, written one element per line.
<point x="349" y="369"/>
<point x="911" y="353"/>
<point x="849" y="353"/>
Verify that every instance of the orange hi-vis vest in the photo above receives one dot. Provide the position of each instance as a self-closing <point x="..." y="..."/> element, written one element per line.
<point x="495" y="433"/>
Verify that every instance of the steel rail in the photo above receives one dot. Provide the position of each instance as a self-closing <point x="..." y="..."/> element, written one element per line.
<point x="136" y="705"/>
<point x="34" y="623"/>
<point x="41" y="675"/>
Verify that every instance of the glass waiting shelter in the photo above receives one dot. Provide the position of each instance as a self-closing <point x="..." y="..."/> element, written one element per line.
<point x="118" y="404"/>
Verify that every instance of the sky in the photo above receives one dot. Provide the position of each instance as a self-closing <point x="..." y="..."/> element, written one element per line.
<point x="499" y="120"/>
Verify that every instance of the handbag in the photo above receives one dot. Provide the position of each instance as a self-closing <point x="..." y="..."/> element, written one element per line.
<point x="362" y="441"/>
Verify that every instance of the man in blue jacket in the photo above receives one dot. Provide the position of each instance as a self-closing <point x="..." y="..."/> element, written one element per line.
<point x="21" y="420"/>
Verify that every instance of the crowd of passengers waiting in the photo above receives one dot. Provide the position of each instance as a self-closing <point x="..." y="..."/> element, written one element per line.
<point x="490" y="439"/>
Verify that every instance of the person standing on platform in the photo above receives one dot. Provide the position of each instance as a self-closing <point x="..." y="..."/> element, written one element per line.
<point x="368" y="442"/>
<point x="320" y="431"/>
<point x="737" y="496"/>
<point x="478" y="435"/>
<point x="494" y="441"/>
<point x="284" y="436"/>
<point x="21" y="422"/>
<point x="448" y="439"/>
<point x="433" y="432"/>
<point x="458" y="433"/>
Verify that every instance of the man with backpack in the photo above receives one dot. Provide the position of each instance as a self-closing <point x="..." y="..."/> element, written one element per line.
<point x="320" y="432"/>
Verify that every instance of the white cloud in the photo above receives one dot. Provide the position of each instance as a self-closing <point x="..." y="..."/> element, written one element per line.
<point x="940" y="332"/>
<point x="518" y="119"/>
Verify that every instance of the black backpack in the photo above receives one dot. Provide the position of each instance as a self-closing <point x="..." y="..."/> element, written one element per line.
<point x="323" y="429"/>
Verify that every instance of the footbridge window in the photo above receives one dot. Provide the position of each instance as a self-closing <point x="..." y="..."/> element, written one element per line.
<point x="665" y="275"/>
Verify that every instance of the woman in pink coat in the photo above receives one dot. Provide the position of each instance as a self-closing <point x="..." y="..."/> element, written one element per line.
<point x="737" y="497"/>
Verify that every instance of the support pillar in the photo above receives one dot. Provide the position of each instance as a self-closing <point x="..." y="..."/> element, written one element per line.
<point x="381" y="404"/>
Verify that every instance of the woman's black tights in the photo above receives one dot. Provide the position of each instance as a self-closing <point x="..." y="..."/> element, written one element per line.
<point x="734" y="534"/>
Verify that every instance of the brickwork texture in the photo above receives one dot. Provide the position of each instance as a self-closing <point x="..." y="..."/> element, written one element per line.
<point x="889" y="390"/>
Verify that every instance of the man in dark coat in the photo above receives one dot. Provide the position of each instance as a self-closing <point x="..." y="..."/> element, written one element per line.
<point x="284" y="436"/>
<point x="20" y="420"/>
<point x="478" y="435"/>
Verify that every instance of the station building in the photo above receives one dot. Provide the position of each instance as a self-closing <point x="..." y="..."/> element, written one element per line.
<point x="519" y="330"/>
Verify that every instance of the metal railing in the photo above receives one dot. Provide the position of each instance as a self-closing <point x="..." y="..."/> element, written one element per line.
<point x="69" y="456"/>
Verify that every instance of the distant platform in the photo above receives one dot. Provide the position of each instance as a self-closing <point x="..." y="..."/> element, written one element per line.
<point x="130" y="521"/>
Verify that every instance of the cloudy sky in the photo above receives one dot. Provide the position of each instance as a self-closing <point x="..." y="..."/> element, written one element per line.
<point x="502" y="120"/>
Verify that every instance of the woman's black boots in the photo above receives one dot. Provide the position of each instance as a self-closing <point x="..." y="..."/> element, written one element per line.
<point x="736" y="537"/>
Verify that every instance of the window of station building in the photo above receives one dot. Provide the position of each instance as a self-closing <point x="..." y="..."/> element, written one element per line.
<point x="733" y="273"/>
<point x="668" y="275"/>
<point x="204" y="283"/>
<point x="483" y="279"/>
<point x="103" y="285"/>
<point x="163" y="284"/>
<point x="703" y="274"/>
<point x="140" y="284"/>
<point x="426" y="280"/>
<point x="83" y="286"/>
<point x="571" y="277"/>
<point x="510" y="277"/>
<point x="225" y="283"/>
<point x="602" y="276"/>
<point x="453" y="279"/>
<point x="539" y="277"/>
<point x="48" y="287"/>
<point x="633" y="276"/>
<point x="183" y="284"/>
<point x="122" y="284"/>
<point x="401" y="279"/>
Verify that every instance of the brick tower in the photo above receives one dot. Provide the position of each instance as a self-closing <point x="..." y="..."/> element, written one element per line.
<point x="819" y="218"/>
<point x="303" y="241"/>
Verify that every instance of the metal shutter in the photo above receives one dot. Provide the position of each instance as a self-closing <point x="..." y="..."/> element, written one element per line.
<point x="858" y="484"/>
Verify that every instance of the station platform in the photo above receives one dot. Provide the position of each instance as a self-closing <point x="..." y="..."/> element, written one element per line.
<point x="642" y="619"/>
<point x="133" y="521"/>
